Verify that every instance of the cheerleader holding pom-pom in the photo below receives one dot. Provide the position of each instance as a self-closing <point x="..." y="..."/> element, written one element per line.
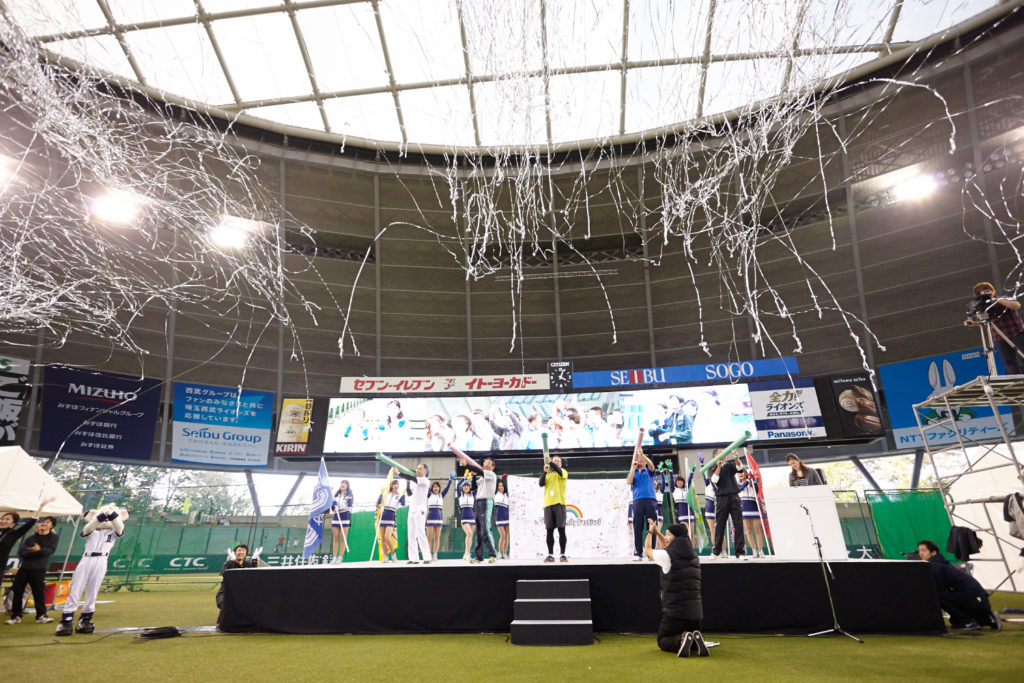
<point x="389" y="503"/>
<point x="341" y="520"/>
<point x="501" y="502"/>
<point x="751" y="513"/>
<point x="683" y="512"/>
<point x="466" y="516"/>
<point x="435" y="514"/>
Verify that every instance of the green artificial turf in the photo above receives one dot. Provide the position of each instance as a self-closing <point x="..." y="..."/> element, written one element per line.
<point x="30" y="652"/>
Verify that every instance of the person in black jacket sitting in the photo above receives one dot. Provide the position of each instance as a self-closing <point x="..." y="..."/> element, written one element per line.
<point x="35" y="558"/>
<point x="681" y="608"/>
<point x="236" y="559"/>
<point x="960" y="594"/>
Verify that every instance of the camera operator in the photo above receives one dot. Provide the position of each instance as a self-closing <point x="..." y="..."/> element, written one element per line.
<point x="1002" y="313"/>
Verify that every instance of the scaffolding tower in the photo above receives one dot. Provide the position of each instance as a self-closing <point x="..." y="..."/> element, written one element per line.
<point x="991" y="466"/>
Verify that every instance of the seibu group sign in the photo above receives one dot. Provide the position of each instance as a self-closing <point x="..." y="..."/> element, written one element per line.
<point x="681" y="374"/>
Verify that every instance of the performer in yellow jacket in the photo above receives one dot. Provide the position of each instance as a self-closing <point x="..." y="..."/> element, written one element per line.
<point x="553" y="482"/>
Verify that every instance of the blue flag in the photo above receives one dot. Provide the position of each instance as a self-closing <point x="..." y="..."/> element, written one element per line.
<point x="321" y="504"/>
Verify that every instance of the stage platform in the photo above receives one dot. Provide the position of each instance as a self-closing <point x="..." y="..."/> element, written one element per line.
<point x="755" y="595"/>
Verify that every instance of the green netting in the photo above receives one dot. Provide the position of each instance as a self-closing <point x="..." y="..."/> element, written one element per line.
<point x="903" y="518"/>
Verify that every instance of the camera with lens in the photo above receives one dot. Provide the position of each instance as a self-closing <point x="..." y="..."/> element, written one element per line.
<point x="977" y="307"/>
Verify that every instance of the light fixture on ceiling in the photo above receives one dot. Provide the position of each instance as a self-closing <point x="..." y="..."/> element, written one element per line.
<point x="233" y="232"/>
<point x="8" y="169"/>
<point x="915" y="188"/>
<point x="116" y="207"/>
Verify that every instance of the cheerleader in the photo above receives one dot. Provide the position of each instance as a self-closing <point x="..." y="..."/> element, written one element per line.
<point x="435" y="516"/>
<point x="658" y="503"/>
<point x="466" y="516"/>
<point x="393" y="501"/>
<point x="751" y="513"/>
<point x="341" y="520"/>
<point x="501" y="518"/>
<point x="709" y="498"/>
<point x="683" y="512"/>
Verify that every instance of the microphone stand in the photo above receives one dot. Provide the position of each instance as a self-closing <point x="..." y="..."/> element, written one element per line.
<point x="826" y="571"/>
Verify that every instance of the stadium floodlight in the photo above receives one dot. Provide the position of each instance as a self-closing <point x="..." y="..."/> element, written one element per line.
<point x="233" y="232"/>
<point x="915" y="188"/>
<point x="116" y="207"/>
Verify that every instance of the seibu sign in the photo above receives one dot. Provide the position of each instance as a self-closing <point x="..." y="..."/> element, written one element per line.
<point x="679" y="374"/>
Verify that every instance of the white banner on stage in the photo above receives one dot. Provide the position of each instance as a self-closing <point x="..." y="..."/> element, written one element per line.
<point x="796" y="514"/>
<point x="596" y="518"/>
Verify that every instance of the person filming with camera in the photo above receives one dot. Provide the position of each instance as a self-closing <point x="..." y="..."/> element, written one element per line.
<point x="1003" y="313"/>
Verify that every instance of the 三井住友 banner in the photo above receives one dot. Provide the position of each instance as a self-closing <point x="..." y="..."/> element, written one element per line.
<point x="89" y="412"/>
<point x="221" y="425"/>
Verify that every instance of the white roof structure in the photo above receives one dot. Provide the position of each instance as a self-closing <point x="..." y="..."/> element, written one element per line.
<point x="23" y="484"/>
<point x="475" y="74"/>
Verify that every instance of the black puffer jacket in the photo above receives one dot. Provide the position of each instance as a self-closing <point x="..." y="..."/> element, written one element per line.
<point x="680" y="587"/>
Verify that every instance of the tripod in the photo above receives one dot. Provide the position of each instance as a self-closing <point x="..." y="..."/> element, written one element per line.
<point x="826" y="571"/>
<point x="985" y="327"/>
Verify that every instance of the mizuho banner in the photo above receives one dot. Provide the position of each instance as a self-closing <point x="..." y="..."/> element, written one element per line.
<point x="596" y="516"/>
<point x="786" y="409"/>
<point x="221" y="426"/>
<point x="98" y="413"/>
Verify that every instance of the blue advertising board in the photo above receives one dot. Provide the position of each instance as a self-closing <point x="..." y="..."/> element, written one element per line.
<point x="914" y="381"/>
<point x="681" y="374"/>
<point x="98" y="413"/>
<point x="221" y="425"/>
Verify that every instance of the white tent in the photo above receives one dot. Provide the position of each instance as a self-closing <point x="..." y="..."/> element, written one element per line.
<point x="23" y="483"/>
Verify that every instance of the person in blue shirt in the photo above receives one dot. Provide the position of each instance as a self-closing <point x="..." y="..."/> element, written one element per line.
<point x="641" y="479"/>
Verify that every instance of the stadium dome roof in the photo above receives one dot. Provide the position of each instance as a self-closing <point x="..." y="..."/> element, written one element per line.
<point x="473" y="74"/>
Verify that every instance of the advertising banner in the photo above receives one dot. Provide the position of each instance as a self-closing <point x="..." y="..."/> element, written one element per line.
<point x="787" y="409"/>
<point x="293" y="426"/>
<point x="454" y="384"/>
<point x="98" y="413"/>
<point x="715" y="414"/>
<point x="14" y="390"/>
<point x="857" y="408"/>
<point x="199" y="564"/>
<point x="914" y="381"/>
<point x="596" y="516"/>
<point x="221" y="426"/>
<point x="681" y="374"/>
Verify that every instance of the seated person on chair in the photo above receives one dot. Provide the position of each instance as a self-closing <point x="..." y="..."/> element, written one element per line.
<point x="237" y="559"/>
<point x="960" y="594"/>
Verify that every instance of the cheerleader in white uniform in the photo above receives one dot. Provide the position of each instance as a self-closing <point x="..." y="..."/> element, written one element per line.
<point x="709" y="498"/>
<point x="341" y="520"/>
<point x="683" y="512"/>
<point x="501" y="518"/>
<point x="466" y="517"/>
<point x="659" y="504"/>
<point x="435" y="514"/>
<point x="751" y="514"/>
<point x="390" y="503"/>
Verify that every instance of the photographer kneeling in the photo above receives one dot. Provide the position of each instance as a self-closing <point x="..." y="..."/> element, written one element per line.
<point x="1002" y="313"/>
<point x="681" y="608"/>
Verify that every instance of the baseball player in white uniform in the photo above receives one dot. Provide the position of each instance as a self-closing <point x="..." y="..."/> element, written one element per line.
<point x="102" y="529"/>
